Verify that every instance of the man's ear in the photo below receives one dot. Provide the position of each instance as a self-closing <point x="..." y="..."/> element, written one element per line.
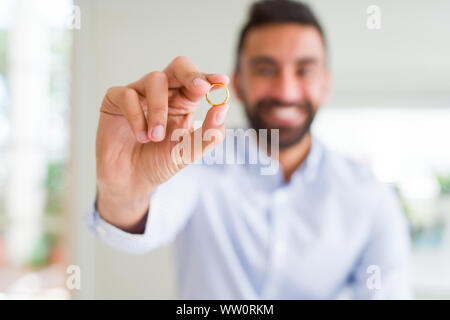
<point x="235" y="84"/>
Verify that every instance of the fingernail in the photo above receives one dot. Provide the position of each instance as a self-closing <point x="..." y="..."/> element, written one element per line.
<point x="221" y="116"/>
<point x="158" y="132"/>
<point x="142" y="136"/>
<point x="198" y="82"/>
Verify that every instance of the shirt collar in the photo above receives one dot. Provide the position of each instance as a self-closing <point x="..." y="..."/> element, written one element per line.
<point x="307" y="171"/>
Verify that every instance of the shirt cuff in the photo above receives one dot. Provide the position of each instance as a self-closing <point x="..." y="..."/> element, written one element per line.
<point x="115" y="237"/>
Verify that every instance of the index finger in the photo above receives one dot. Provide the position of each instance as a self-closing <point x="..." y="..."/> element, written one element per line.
<point x="182" y="73"/>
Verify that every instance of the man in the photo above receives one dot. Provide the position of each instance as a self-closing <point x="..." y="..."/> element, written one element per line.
<point x="319" y="224"/>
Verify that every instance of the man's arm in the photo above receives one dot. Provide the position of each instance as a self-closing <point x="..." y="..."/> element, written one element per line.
<point x="383" y="270"/>
<point x="160" y="225"/>
<point x="145" y="136"/>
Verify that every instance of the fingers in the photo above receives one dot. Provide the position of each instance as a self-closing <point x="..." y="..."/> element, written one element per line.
<point x="213" y="127"/>
<point x="215" y="117"/>
<point x="195" y="144"/>
<point x="127" y="100"/>
<point x="218" y="78"/>
<point x="211" y="133"/>
<point x="182" y="73"/>
<point x="156" y="89"/>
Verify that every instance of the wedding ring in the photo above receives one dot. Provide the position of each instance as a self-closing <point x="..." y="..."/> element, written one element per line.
<point x="226" y="91"/>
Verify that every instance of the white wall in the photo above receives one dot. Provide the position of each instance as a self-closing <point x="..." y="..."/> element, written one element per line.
<point x="405" y="62"/>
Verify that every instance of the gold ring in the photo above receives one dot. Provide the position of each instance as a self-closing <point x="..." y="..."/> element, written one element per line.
<point x="226" y="98"/>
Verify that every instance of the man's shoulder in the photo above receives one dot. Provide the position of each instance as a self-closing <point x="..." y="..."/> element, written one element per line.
<point x="356" y="182"/>
<point x="346" y="170"/>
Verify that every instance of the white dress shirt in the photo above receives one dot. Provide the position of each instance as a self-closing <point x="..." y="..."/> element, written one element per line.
<point x="239" y="234"/>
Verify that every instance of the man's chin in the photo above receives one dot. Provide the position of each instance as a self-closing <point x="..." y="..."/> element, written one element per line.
<point x="288" y="136"/>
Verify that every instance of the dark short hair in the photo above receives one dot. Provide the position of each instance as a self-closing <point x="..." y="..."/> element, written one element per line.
<point x="278" y="11"/>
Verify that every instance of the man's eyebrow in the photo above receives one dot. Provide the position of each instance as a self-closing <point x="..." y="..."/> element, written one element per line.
<point x="268" y="60"/>
<point x="307" y="60"/>
<point x="262" y="60"/>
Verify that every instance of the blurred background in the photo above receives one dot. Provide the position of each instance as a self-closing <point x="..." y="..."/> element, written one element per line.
<point x="389" y="107"/>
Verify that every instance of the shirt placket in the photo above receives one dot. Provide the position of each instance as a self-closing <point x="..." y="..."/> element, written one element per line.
<point x="278" y="245"/>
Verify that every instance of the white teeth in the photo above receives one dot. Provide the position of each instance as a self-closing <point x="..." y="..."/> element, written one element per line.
<point x="286" y="112"/>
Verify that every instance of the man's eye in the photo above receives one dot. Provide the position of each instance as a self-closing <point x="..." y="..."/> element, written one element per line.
<point x="265" y="71"/>
<point x="304" y="72"/>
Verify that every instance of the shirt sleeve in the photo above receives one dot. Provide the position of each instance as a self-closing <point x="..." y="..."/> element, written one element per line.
<point x="383" y="270"/>
<point x="171" y="205"/>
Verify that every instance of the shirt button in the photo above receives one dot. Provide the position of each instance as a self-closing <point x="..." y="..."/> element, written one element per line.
<point x="101" y="231"/>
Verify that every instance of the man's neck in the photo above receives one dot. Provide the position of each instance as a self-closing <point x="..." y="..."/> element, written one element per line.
<point x="291" y="158"/>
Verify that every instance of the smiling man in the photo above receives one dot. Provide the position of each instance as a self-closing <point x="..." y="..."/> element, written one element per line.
<point x="317" y="226"/>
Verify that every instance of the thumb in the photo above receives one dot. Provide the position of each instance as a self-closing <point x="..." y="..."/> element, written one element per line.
<point x="213" y="129"/>
<point x="196" y="143"/>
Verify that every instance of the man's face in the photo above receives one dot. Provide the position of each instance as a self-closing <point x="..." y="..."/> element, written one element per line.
<point x="282" y="79"/>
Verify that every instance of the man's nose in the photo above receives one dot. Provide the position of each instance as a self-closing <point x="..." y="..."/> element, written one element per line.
<point x="288" y="88"/>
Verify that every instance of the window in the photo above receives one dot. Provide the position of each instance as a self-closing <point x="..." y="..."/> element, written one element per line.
<point x="35" y="47"/>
